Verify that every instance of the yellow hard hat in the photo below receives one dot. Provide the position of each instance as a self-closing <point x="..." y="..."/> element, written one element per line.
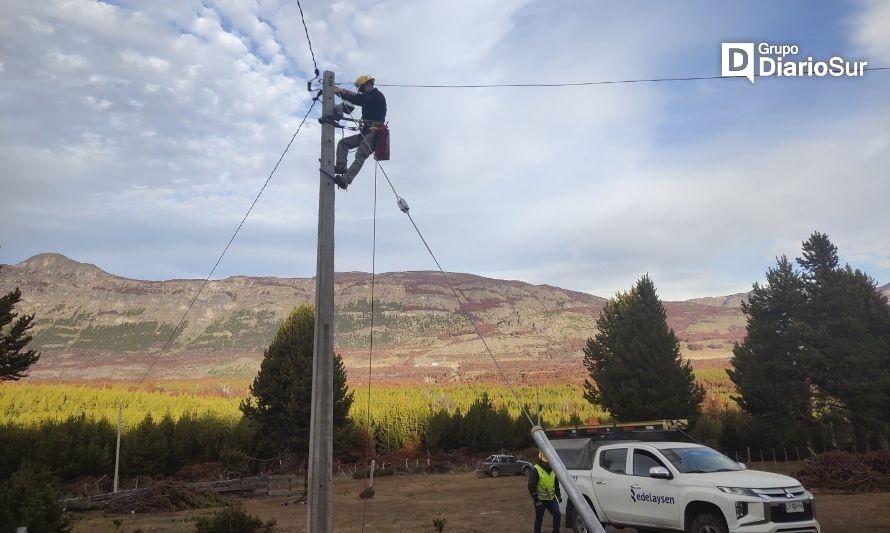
<point x="363" y="79"/>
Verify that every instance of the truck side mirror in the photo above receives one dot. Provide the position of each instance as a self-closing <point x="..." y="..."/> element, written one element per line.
<point x="660" y="472"/>
<point x="743" y="466"/>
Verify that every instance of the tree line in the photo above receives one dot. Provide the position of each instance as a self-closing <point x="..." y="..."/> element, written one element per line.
<point x="815" y="364"/>
<point x="814" y="368"/>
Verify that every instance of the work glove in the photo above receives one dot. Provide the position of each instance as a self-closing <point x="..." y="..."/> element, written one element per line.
<point x="538" y="503"/>
<point x="559" y="499"/>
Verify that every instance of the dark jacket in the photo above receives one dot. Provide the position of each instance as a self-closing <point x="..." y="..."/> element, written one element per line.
<point x="373" y="104"/>
<point x="533" y="481"/>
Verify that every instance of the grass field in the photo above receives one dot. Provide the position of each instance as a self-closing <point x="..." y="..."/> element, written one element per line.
<point x="468" y="504"/>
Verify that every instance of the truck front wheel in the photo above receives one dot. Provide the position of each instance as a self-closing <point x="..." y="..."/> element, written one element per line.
<point x="577" y="525"/>
<point x="708" y="523"/>
<point x="573" y="520"/>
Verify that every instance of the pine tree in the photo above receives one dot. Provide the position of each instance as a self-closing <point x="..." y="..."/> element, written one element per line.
<point x="846" y="331"/>
<point x="767" y="371"/>
<point x="281" y="394"/>
<point x="14" y="337"/>
<point x="634" y="362"/>
<point x="29" y="499"/>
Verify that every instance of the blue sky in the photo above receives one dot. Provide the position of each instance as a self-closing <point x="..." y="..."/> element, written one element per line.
<point x="135" y="136"/>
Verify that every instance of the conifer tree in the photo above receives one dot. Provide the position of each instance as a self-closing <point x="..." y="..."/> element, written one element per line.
<point x="29" y="499"/>
<point x="634" y="362"/>
<point x="846" y="330"/>
<point x="14" y="358"/>
<point x="767" y="369"/>
<point x="281" y="394"/>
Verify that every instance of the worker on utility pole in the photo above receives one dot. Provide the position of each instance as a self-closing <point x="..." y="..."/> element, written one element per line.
<point x="544" y="488"/>
<point x="373" y="105"/>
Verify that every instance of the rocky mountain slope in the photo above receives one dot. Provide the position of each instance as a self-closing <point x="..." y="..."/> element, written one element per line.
<point x="92" y="324"/>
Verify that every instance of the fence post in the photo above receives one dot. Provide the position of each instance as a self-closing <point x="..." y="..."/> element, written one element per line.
<point x="797" y="451"/>
<point x="749" y="455"/>
<point x="761" y="456"/>
<point x="785" y="451"/>
<point x="773" y="450"/>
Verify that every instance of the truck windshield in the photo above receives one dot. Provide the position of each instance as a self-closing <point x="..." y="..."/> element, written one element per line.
<point x="699" y="460"/>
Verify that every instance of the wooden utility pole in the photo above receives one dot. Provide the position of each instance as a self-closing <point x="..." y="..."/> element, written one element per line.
<point x="117" y="448"/>
<point x="321" y="433"/>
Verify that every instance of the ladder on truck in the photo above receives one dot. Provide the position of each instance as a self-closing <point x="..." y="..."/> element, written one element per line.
<point x="656" y="430"/>
<point x="651" y="430"/>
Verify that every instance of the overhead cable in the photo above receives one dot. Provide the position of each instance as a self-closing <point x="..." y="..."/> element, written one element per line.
<point x="226" y="249"/>
<point x="308" y="40"/>
<point x="560" y="84"/>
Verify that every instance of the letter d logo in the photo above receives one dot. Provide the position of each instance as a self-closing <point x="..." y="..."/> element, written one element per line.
<point x="737" y="60"/>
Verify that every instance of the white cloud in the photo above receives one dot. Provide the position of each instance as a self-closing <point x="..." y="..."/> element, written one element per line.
<point x="146" y="129"/>
<point x="872" y="31"/>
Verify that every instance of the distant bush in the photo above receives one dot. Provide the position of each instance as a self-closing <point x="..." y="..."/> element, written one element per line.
<point x="28" y="499"/>
<point x="844" y="471"/>
<point x="233" y="520"/>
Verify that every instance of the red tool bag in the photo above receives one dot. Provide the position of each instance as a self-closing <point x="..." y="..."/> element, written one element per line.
<point x="381" y="144"/>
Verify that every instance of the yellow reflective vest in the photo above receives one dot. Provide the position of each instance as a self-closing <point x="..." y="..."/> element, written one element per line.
<point x="546" y="484"/>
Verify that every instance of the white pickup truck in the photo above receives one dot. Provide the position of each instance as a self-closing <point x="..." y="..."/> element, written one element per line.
<point x="678" y="486"/>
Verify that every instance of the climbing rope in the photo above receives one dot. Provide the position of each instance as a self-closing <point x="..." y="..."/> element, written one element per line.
<point x="458" y="296"/>
<point x="456" y="293"/>
<point x="368" y="448"/>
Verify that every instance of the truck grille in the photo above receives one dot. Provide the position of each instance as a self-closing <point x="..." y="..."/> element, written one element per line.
<point x="782" y="493"/>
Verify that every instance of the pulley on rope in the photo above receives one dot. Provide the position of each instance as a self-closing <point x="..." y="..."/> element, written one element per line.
<point x="403" y="205"/>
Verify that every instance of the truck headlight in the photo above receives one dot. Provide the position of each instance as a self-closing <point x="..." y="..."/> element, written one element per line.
<point x="738" y="491"/>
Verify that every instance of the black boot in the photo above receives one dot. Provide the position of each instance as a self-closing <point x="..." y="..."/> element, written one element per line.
<point x="340" y="168"/>
<point x="341" y="182"/>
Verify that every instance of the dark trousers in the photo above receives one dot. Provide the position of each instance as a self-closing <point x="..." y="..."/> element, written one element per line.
<point x="553" y="507"/>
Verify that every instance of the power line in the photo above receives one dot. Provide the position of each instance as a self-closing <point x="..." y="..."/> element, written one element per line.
<point x="311" y="51"/>
<point x="561" y="84"/>
<point x="226" y="249"/>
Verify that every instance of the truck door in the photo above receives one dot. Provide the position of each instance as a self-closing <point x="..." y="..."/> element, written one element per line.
<point x="610" y="481"/>
<point x="653" y="501"/>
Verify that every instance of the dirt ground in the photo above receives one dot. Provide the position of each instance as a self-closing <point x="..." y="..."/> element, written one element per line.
<point x="468" y="504"/>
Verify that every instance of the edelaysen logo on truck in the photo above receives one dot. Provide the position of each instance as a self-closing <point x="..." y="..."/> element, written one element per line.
<point x="647" y="497"/>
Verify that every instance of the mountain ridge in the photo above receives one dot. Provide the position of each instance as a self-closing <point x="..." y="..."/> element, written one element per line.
<point x="93" y="324"/>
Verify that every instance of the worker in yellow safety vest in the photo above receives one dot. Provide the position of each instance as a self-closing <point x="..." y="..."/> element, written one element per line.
<point x="544" y="488"/>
